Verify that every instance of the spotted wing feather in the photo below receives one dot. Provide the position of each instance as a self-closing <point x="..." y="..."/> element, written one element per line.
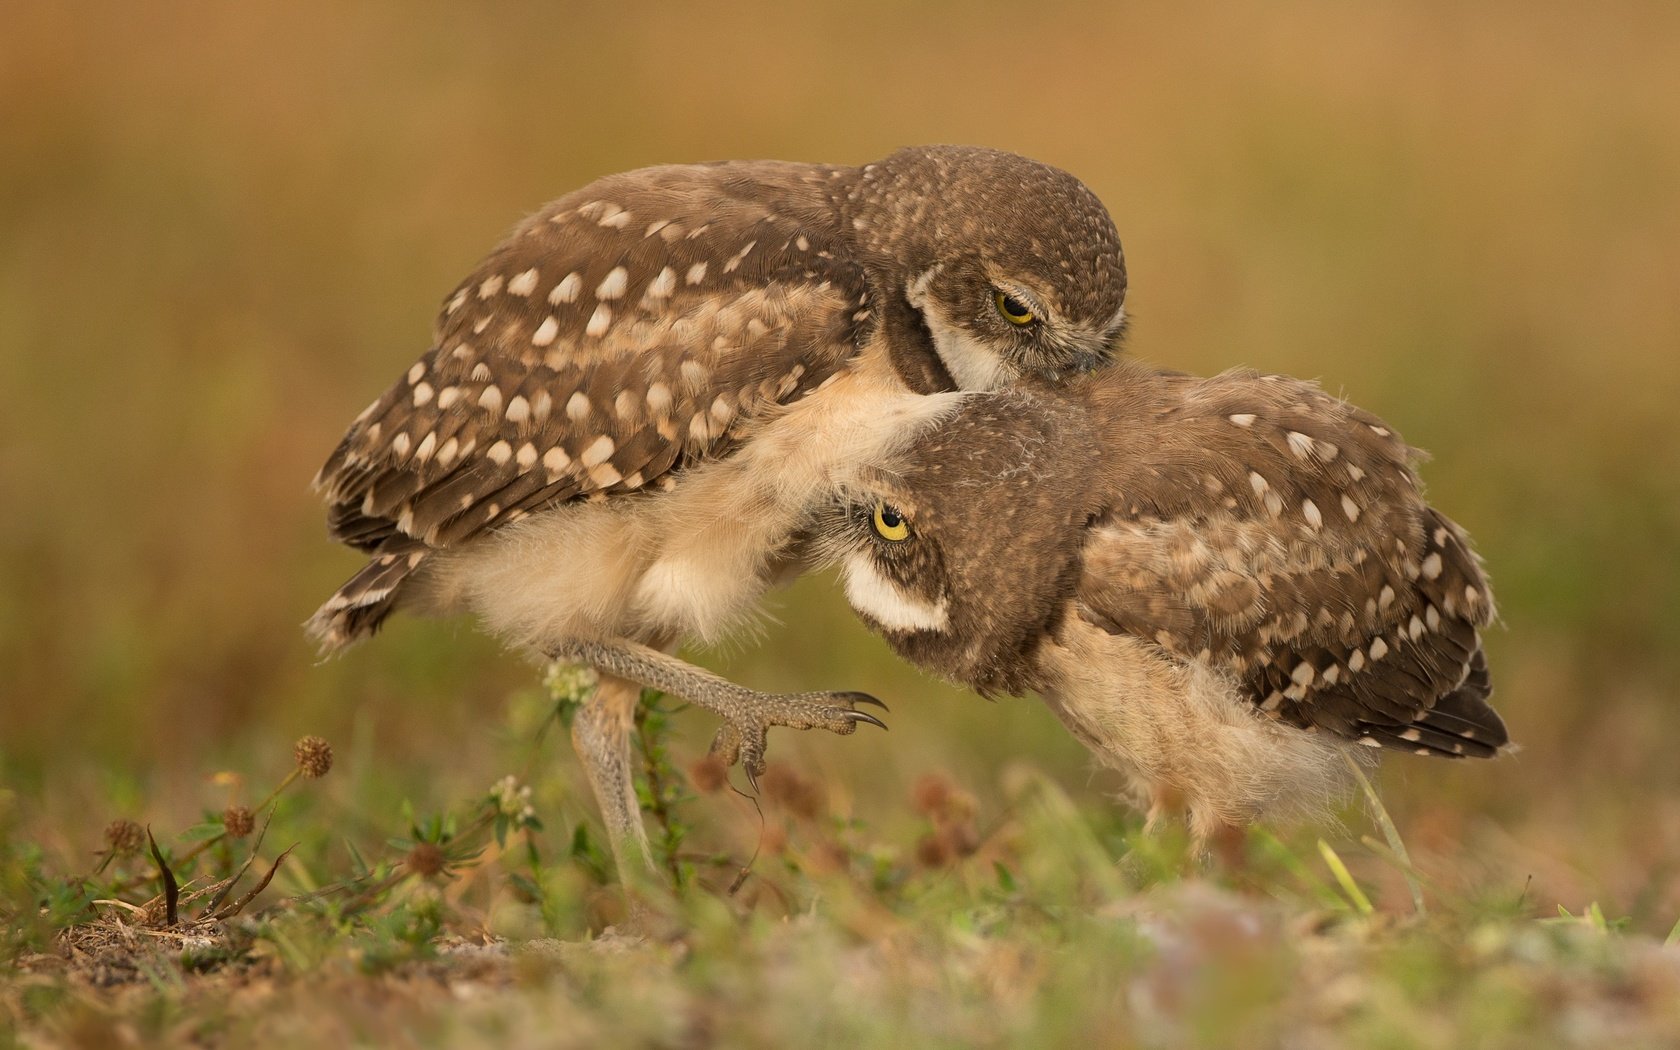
<point x="640" y="324"/>
<point x="1279" y="535"/>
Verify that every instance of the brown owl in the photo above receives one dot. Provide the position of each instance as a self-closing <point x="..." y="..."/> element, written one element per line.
<point x="1219" y="585"/>
<point x="632" y="405"/>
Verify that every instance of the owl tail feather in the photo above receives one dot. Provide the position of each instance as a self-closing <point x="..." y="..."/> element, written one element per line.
<point x="358" y="608"/>
<point x="1466" y="714"/>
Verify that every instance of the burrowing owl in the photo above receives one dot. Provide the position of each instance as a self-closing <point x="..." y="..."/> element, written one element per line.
<point x="628" y="410"/>
<point x="1219" y="585"/>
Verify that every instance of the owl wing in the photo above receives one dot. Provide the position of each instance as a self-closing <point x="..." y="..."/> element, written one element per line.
<point x="1292" y="550"/>
<point x="635" y="326"/>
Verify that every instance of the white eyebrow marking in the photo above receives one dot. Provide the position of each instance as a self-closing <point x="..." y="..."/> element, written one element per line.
<point x="886" y="603"/>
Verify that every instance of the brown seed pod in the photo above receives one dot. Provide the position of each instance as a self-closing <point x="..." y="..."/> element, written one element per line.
<point x="124" y="836"/>
<point x="239" y="821"/>
<point x="314" y="756"/>
<point x="425" y="859"/>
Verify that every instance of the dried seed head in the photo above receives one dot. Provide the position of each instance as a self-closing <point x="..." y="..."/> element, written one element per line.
<point x="124" y="836"/>
<point x="799" y="796"/>
<point x="425" y="859"/>
<point x="708" y="774"/>
<point x="947" y="844"/>
<point x="934" y="851"/>
<point x="239" y="821"/>
<point x="314" y="756"/>
<point x="931" y="795"/>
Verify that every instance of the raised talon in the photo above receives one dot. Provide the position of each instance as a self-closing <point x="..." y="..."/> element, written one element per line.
<point x="752" y="761"/>
<point x="862" y="698"/>
<point x="735" y="743"/>
<point x="863" y="716"/>
<point x="745" y="739"/>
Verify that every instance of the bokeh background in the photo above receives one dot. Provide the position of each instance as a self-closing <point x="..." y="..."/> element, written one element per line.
<point x="225" y="227"/>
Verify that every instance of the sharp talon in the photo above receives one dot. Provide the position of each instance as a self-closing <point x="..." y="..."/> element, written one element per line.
<point x="752" y="778"/>
<point x="864" y="716"/>
<point x="863" y="698"/>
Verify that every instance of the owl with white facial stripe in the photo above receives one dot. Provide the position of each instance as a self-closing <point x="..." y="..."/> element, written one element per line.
<point x="1221" y="586"/>
<point x="629" y="409"/>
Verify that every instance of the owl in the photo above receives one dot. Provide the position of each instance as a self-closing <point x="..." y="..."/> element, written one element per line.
<point x="1220" y="585"/>
<point x="628" y="411"/>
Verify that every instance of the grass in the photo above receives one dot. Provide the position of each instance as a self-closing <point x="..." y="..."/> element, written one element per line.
<point x="1038" y="921"/>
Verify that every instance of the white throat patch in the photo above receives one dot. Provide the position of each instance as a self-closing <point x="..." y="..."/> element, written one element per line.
<point x="886" y="603"/>
<point x="973" y="365"/>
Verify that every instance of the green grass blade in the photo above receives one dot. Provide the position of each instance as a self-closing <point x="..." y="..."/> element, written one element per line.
<point x="1391" y="834"/>
<point x="1344" y="878"/>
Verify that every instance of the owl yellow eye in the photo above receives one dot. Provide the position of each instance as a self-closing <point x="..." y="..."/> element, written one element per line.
<point x="1013" y="310"/>
<point x="890" y="524"/>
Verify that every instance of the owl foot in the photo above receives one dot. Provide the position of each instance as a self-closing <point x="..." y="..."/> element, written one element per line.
<point x="742" y="738"/>
<point x="747" y="713"/>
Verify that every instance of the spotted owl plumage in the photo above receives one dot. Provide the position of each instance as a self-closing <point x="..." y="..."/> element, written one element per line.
<point x="649" y="320"/>
<point x="629" y="409"/>
<point x="1177" y="561"/>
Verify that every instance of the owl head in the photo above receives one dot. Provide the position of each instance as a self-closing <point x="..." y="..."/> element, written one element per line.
<point x="965" y="554"/>
<point x="1013" y="267"/>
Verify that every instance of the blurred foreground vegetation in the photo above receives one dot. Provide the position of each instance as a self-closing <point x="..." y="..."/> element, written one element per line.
<point x="1028" y="923"/>
<point x="224" y="228"/>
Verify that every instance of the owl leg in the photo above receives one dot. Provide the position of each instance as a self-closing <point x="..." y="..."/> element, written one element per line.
<point x="747" y="713"/>
<point x="1218" y="840"/>
<point x="1228" y="846"/>
<point x="601" y="738"/>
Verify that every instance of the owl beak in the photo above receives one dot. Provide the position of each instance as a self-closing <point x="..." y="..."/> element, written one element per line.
<point x="1078" y="354"/>
<point x="1080" y="363"/>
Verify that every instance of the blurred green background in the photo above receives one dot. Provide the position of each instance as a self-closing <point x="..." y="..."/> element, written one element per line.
<point x="225" y="227"/>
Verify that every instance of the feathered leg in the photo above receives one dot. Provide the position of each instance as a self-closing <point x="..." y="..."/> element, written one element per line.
<point x="747" y="713"/>
<point x="601" y="738"/>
